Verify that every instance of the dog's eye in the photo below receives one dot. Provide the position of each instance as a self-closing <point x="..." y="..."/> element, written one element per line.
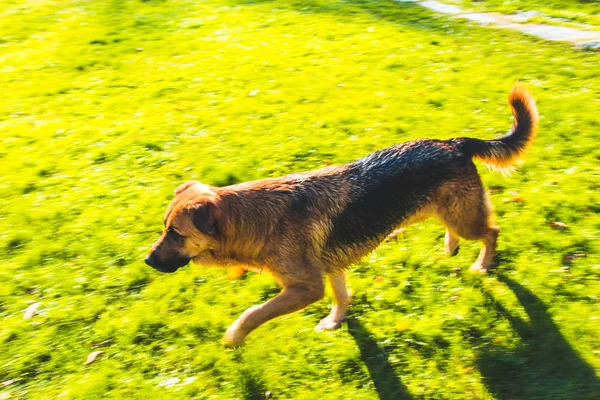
<point x="173" y="233"/>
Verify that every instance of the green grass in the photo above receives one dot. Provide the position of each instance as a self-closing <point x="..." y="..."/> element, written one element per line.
<point x="574" y="11"/>
<point x="108" y="105"/>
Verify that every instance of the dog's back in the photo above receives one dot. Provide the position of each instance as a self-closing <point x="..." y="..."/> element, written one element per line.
<point x="389" y="186"/>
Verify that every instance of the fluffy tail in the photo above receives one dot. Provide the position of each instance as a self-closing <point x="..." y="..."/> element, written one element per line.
<point x="501" y="154"/>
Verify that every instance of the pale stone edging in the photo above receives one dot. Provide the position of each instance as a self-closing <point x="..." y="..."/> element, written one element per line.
<point x="578" y="37"/>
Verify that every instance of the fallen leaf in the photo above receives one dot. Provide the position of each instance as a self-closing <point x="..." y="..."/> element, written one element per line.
<point x="189" y="380"/>
<point x="466" y="370"/>
<point x="92" y="357"/>
<point x="394" y="234"/>
<point x="170" y="382"/>
<point x="9" y="382"/>
<point x="102" y="344"/>
<point x="31" y="310"/>
<point x="559" y="225"/>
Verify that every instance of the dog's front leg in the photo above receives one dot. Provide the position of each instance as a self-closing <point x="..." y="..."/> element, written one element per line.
<point x="341" y="301"/>
<point x="291" y="298"/>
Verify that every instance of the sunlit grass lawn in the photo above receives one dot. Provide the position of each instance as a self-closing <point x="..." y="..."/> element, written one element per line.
<point x="107" y="106"/>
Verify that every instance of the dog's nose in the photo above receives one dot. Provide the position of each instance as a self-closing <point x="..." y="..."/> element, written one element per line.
<point x="149" y="260"/>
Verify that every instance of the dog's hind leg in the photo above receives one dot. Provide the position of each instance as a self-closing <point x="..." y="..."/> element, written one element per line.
<point x="341" y="301"/>
<point x="292" y="298"/>
<point x="466" y="212"/>
<point x="486" y="255"/>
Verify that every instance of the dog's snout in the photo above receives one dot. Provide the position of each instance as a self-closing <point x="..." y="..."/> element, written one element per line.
<point x="161" y="264"/>
<point x="149" y="260"/>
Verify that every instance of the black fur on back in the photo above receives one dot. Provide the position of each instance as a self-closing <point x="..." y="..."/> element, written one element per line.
<point x="390" y="185"/>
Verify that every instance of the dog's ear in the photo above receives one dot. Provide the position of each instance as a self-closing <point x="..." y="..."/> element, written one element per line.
<point x="205" y="217"/>
<point x="184" y="186"/>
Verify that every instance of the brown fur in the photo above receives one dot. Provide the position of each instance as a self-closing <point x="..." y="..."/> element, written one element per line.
<point x="500" y="155"/>
<point x="303" y="227"/>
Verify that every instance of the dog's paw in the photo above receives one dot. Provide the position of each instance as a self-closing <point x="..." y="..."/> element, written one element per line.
<point x="479" y="267"/>
<point x="327" y="324"/>
<point x="452" y="251"/>
<point x="233" y="336"/>
<point x="451" y="244"/>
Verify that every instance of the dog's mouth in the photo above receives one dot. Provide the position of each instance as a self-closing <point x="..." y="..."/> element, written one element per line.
<point x="204" y="257"/>
<point x="171" y="265"/>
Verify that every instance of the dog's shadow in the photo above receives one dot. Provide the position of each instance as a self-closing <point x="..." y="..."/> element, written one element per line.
<point x="544" y="365"/>
<point x="387" y="384"/>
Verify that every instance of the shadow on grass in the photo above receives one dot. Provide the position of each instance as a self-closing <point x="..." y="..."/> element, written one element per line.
<point x="387" y="383"/>
<point x="251" y="384"/>
<point x="544" y="366"/>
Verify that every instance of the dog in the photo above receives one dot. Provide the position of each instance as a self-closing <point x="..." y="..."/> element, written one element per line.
<point x="307" y="226"/>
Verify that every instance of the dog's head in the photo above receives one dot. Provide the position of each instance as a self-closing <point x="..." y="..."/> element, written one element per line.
<point x="191" y="228"/>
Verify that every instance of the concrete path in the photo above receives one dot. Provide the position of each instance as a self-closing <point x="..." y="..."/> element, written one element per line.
<point x="578" y="37"/>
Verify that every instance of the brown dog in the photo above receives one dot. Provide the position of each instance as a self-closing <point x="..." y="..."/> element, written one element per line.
<point x="305" y="226"/>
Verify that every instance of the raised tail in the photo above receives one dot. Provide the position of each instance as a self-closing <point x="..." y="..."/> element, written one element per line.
<point x="501" y="154"/>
